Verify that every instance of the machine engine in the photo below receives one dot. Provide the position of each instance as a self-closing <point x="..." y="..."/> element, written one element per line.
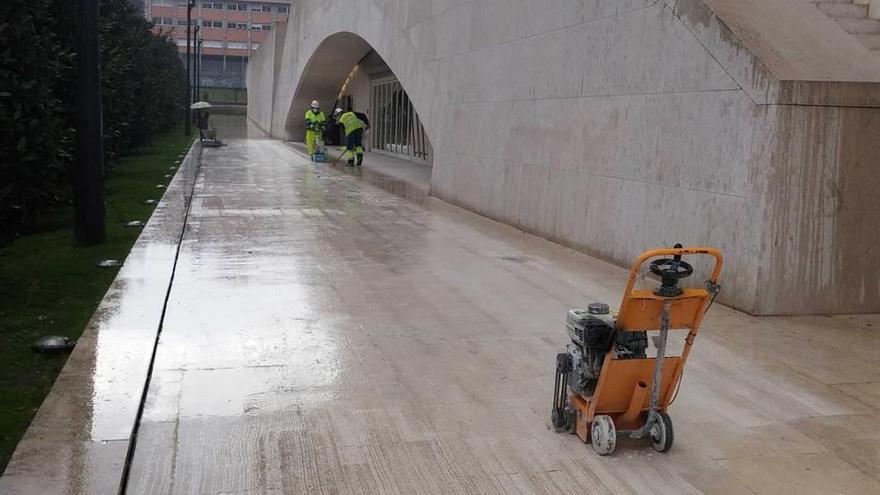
<point x="592" y="336"/>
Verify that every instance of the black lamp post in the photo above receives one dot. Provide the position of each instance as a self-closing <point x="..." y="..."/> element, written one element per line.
<point x="88" y="176"/>
<point x="188" y="126"/>
<point x="195" y="69"/>
<point x="199" y="69"/>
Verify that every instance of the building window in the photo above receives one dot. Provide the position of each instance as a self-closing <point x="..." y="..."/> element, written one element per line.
<point x="242" y="7"/>
<point x="255" y="46"/>
<point x="181" y="22"/>
<point x="207" y="5"/>
<point x="168" y="21"/>
<point x="267" y="8"/>
<point x="267" y="27"/>
<point x="256" y="27"/>
<point x="236" y="45"/>
<point x="231" y="6"/>
<point x="282" y="9"/>
<point x="218" y="24"/>
<point x="157" y="20"/>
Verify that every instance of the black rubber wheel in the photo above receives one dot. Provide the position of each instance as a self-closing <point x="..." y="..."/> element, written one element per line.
<point x="662" y="434"/>
<point x="557" y="417"/>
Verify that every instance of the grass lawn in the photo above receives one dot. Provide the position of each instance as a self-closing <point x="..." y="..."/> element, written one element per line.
<point x="48" y="286"/>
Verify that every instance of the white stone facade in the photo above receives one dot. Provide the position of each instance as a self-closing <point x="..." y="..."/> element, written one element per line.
<point x="614" y="126"/>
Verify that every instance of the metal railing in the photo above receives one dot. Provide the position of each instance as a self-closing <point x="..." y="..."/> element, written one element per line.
<point x="396" y="127"/>
<point x="229" y="96"/>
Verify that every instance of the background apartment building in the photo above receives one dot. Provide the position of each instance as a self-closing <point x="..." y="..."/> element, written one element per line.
<point x="231" y="33"/>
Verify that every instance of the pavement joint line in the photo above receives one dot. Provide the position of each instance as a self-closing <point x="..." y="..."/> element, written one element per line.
<point x="196" y="151"/>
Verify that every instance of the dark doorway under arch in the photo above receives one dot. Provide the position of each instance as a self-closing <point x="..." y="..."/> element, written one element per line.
<point x="345" y="71"/>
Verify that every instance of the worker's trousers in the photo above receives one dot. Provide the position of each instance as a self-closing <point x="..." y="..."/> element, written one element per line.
<point x="311" y="137"/>
<point x="355" y="146"/>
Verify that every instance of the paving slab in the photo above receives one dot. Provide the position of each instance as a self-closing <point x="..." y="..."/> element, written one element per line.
<point x="325" y="335"/>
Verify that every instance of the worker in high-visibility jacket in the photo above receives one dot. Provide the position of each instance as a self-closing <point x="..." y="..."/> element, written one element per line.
<point x="315" y="123"/>
<point x="354" y="123"/>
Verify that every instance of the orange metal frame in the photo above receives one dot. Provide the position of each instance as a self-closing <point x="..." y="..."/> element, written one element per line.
<point x="623" y="390"/>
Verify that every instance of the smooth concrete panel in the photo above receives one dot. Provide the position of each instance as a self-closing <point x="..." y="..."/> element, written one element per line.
<point x="796" y="41"/>
<point x="614" y="126"/>
<point x="261" y="79"/>
<point x="824" y="196"/>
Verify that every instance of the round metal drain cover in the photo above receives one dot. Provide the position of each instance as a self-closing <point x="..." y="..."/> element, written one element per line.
<point x="52" y="344"/>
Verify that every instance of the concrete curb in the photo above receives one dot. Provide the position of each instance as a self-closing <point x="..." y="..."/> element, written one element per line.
<point x="79" y="439"/>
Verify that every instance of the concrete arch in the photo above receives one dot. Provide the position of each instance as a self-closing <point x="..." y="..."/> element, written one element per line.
<point x="613" y="126"/>
<point x="323" y="75"/>
<point x="357" y="25"/>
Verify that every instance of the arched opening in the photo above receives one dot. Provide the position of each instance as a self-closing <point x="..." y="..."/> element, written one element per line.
<point x="346" y="71"/>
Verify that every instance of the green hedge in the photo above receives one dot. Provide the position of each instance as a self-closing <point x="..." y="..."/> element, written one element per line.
<point x="143" y="83"/>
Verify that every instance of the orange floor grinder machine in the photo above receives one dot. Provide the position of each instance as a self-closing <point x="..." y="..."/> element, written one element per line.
<point x="608" y="381"/>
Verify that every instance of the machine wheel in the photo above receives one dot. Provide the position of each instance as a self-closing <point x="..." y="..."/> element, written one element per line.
<point x="603" y="435"/>
<point x="661" y="433"/>
<point x="557" y="417"/>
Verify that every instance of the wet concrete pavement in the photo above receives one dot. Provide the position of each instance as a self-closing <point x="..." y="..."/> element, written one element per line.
<point x="411" y="180"/>
<point x="324" y="335"/>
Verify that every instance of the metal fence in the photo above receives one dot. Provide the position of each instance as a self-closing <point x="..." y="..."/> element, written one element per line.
<point x="396" y="127"/>
<point x="229" y="96"/>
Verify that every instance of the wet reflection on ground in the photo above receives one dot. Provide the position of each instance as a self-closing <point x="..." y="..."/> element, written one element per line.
<point x="324" y="335"/>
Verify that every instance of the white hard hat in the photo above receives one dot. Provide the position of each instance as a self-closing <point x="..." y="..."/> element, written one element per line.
<point x="315" y="104"/>
<point x="337" y="111"/>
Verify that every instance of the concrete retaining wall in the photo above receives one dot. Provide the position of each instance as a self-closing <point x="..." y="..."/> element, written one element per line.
<point x="613" y="126"/>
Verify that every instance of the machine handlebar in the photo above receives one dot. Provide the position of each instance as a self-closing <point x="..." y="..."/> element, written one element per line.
<point x="684" y="251"/>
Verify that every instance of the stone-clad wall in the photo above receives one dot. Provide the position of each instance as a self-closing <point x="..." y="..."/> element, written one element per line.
<point x="262" y="75"/>
<point x="614" y="126"/>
